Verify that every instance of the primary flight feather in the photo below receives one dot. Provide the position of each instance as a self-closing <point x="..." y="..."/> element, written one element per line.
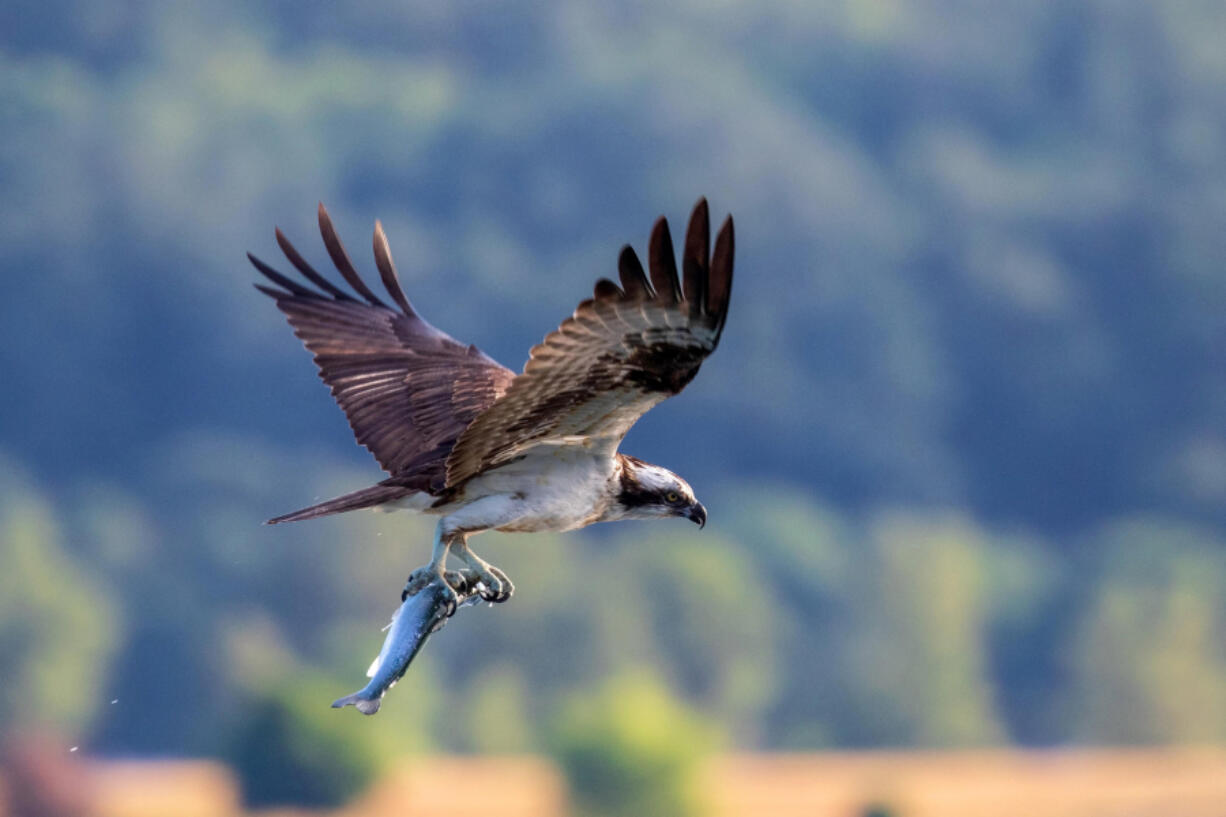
<point x="466" y="439"/>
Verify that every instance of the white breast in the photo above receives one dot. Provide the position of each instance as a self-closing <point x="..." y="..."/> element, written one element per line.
<point x="555" y="488"/>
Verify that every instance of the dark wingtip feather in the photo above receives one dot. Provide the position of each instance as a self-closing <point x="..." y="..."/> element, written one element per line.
<point x="720" y="278"/>
<point x="662" y="262"/>
<point x="695" y="260"/>
<point x="308" y="271"/>
<point x="387" y="270"/>
<point x="280" y="280"/>
<point x="606" y="290"/>
<point x="341" y="258"/>
<point x="633" y="279"/>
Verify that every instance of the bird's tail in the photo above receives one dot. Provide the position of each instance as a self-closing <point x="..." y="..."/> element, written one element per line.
<point x="365" y="498"/>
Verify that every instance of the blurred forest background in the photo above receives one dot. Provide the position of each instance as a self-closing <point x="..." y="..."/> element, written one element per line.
<point x="963" y="445"/>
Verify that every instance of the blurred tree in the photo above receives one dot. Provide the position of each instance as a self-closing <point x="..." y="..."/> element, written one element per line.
<point x="287" y="744"/>
<point x="57" y="625"/>
<point x="290" y="748"/>
<point x="708" y="617"/>
<point x="493" y="712"/>
<point x="804" y="552"/>
<point x="913" y="659"/>
<point x="629" y="749"/>
<point x="1148" y="657"/>
<point x="1031" y="593"/>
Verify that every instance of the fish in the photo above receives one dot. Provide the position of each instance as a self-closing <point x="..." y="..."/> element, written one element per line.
<point x="418" y="617"/>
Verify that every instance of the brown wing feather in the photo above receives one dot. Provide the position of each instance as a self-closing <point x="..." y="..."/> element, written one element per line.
<point x="618" y="355"/>
<point x="408" y="389"/>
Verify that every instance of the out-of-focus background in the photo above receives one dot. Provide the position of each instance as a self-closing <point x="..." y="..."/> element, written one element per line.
<point x="963" y="445"/>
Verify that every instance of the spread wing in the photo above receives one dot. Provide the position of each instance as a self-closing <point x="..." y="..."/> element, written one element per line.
<point x="408" y="389"/>
<point x="621" y="352"/>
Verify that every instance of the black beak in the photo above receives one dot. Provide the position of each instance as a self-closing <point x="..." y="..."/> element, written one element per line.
<point x="698" y="514"/>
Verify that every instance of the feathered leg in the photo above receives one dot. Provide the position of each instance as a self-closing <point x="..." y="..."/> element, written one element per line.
<point x="453" y="531"/>
<point x="421" y="578"/>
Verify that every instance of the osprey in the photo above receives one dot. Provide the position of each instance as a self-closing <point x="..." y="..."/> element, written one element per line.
<point x="470" y="441"/>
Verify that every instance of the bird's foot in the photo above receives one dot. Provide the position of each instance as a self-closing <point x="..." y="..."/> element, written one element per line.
<point x="464" y="581"/>
<point x="423" y="577"/>
<point x="496" y="587"/>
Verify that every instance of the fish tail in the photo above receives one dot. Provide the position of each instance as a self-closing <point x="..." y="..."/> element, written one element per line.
<point x="367" y="706"/>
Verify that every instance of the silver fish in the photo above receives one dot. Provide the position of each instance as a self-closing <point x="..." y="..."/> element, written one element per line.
<point x="420" y="616"/>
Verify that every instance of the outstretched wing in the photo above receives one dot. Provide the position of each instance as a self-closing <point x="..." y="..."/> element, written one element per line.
<point x="408" y="389"/>
<point x="621" y="352"/>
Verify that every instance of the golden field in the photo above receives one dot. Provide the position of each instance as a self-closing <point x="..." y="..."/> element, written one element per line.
<point x="997" y="783"/>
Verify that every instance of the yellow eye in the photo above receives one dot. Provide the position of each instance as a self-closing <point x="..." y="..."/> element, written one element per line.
<point x="671" y="496"/>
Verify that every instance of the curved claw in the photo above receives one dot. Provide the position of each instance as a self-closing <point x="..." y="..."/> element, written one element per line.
<point x="496" y="587"/>
<point x="453" y="603"/>
<point x="462" y="581"/>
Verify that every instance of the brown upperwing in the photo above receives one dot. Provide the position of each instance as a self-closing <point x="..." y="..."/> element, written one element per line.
<point x="409" y="390"/>
<point x="620" y="353"/>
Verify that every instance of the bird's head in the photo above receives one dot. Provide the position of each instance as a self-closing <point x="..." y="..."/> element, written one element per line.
<point x="649" y="491"/>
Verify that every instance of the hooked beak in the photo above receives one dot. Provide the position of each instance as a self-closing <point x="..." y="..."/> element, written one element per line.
<point x="698" y="514"/>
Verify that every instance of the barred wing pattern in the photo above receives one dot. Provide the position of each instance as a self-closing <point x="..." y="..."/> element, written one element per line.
<point x="622" y="352"/>
<point x="408" y="390"/>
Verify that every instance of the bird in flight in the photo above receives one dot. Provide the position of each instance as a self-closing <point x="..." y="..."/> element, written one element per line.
<point x="483" y="448"/>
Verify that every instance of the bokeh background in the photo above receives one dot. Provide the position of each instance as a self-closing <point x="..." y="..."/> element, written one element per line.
<point x="963" y="445"/>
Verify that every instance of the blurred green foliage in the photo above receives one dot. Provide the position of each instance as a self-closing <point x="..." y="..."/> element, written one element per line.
<point x="630" y="749"/>
<point x="786" y="623"/>
<point x="964" y="444"/>
<point x="289" y="749"/>
<point x="1148" y="659"/>
<point x="915" y="631"/>
<point x="58" y="627"/>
